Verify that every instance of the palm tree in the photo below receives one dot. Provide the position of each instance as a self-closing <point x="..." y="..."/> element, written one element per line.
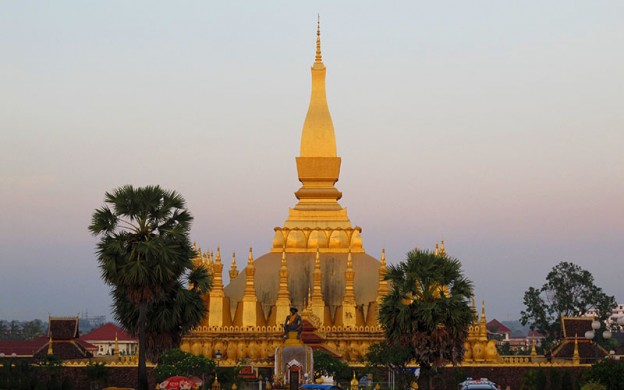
<point x="427" y="309"/>
<point x="144" y="251"/>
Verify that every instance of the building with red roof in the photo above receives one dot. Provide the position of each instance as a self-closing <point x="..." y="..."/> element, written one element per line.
<point x="498" y="331"/>
<point x="61" y="341"/>
<point x="110" y="339"/>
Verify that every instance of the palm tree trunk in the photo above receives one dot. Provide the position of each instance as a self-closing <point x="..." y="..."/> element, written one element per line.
<point x="142" y="383"/>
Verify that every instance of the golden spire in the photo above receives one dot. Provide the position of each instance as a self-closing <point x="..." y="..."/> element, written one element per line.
<point x="348" y="300"/>
<point x="483" y="329"/>
<point x="116" y="351"/>
<point x="233" y="270"/>
<point x="283" y="288"/>
<point x="318" y="139"/>
<point x="50" y="350"/>
<point x="349" y="296"/>
<point x="576" y="357"/>
<point x="282" y="303"/>
<point x="250" y="271"/>
<point x="319" y="57"/>
<point x="316" y="300"/>
<point x="442" y="250"/>
<point x="249" y="295"/>
<point x="383" y="289"/>
<point x="216" y="294"/>
<point x="318" y="170"/>
<point x="437" y="250"/>
<point x="217" y="272"/>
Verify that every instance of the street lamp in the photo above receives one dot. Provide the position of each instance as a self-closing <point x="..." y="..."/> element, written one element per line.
<point x="218" y="356"/>
<point x="593" y="335"/>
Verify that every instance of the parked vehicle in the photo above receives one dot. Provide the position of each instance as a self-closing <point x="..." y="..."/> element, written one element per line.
<point x="477" y="384"/>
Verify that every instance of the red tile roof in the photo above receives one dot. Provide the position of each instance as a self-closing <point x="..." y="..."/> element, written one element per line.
<point x="498" y="327"/>
<point x="22" y="347"/>
<point x="107" y="332"/>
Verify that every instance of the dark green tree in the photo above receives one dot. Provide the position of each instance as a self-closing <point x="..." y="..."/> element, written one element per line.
<point x="608" y="372"/>
<point x="428" y="310"/>
<point x="326" y="364"/>
<point x="391" y="357"/>
<point x="569" y="291"/>
<point x="145" y="255"/>
<point x="97" y="373"/>
<point x="32" y="329"/>
<point x="176" y="362"/>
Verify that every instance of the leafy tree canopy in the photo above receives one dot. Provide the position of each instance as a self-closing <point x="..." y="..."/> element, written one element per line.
<point x="326" y="364"/>
<point x="176" y="362"/>
<point x="608" y="372"/>
<point x="388" y="355"/>
<point x="569" y="291"/>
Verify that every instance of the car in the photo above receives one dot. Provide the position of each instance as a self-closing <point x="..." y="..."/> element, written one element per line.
<point x="477" y="384"/>
<point x="316" y="386"/>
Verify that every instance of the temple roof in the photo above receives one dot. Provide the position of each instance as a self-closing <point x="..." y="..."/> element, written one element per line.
<point x="108" y="332"/>
<point x="63" y="328"/>
<point x="575" y="326"/>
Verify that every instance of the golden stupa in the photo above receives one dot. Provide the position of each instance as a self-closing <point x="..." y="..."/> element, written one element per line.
<point x="317" y="264"/>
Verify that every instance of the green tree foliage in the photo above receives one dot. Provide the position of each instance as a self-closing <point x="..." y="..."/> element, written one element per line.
<point x="608" y="372"/>
<point x="427" y="310"/>
<point x="569" y="291"/>
<point x="388" y="355"/>
<point x="145" y="255"/>
<point x="593" y="386"/>
<point x="391" y="357"/>
<point x="97" y="373"/>
<point x="25" y="330"/>
<point x="176" y="362"/>
<point x="326" y="364"/>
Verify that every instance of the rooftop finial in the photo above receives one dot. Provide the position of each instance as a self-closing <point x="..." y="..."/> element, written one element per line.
<point x="318" y="58"/>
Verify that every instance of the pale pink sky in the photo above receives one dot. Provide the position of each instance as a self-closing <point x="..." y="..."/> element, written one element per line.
<point x="496" y="127"/>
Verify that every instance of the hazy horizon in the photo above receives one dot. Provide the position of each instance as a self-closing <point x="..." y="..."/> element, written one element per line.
<point x="495" y="127"/>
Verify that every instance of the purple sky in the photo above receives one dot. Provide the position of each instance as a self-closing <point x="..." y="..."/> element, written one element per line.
<point x="496" y="127"/>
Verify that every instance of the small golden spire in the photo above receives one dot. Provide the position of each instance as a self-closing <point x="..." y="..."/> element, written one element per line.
<point x="483" y="324"/>
<point x="576" y="357"/>
<point x="319" y="57"/>
<point x="442" y="250"/>
<point x="349" y="260"/>
<point x="317" y="304"/>
<point x="116" y="351"/>
<point x="218" y="258"/>
<point x="283" y="303"/>
<point x="437" y="250"/>
<point x="383" y="289"/>
<point x="250" y="258"/>
<point x="233" y="270"/>
<point x="50" y="350"/>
